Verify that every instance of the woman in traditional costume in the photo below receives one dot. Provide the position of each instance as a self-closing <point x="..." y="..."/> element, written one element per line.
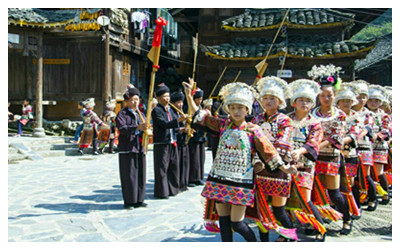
<point x="25" y="118"/>
<point x="381" y="137"/>
<point x="367" y="186"/>
<point x="307" y="136"/>
<point x="346" y="97"/>
<point x="333" y="122"/>
<point x="279" y="130"/>
<point x="231" y="183"/>
<point x="107" y="134"/>
<point x="89" y="132"/>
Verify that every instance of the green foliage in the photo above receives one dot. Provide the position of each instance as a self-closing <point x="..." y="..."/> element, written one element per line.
<point x="373" y="31"/>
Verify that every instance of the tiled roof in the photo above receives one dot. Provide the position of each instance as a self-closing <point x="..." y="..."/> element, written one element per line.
<point x="295" y="50"/>
<point x="33" y="17"/>
<point x="261" y="19"/>
<point x="382" y="51"/>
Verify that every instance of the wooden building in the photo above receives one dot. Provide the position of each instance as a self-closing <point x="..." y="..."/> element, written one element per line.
<point x="239" y="38"/>
<point x="81" y="59"/>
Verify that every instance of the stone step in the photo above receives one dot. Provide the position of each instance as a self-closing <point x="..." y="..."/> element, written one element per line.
<point x="51" y="153"/>
<point x="12" y="150"/>
<point x="15" y="158"/>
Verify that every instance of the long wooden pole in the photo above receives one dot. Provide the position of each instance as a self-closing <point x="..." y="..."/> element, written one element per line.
<point x="150" y="98"/>
<point x="216" y="84"/>
<point x="237" y="76"/>
<point x="264" y="67"/>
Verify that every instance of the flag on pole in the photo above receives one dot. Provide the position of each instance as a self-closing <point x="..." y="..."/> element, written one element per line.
<point x="154" y="54"/>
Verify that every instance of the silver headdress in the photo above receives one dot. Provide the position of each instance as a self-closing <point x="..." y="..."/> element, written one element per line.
<point x="347" y="91"/>
<point x="376" y="92"/>
<point x="272" y="85"/>
<point x="110" y="104"/>
<point x="363" y="86"/>
<point x="303" y="88"/>
<point x="89" y="103"/>
<point x="239" y="93"/>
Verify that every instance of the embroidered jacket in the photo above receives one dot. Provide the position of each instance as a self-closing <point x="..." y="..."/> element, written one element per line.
<point x="308" y="134"/>
<point x="333" y="126"/>
<point x="382" y="127"/>
<point x="367" y="123"/>
<point x="91" y="119"/>
<point x="353" y="128"/>
<point x="27" y="112"/>
<point x="259" y="143"/>
<point x="279" y="130"/>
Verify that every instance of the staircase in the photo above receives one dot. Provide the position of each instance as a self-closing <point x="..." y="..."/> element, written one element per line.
<point x="31" y="148"/>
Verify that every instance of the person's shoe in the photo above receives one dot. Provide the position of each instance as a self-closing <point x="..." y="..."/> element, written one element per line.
<point x="73" y="141"/>
<point x="372" y="207"/>
<point x="140" y="204"/>
<point x="17" y="135"/>
<point x="385" y="201"/>
<point x="320" y="238"/>
<point x="310" y="231"/>
<point x="161" y="198"/>
<point x="346" y="231"/>
<point x="95" y="153"/>
<point x="129" y="206"/>
<point x="191" y="185"/>
<point x="80" y="151"/>
<point x="355" y="217"/>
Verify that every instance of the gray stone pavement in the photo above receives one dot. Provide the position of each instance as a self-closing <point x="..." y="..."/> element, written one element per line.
<point x="78" y="199"/>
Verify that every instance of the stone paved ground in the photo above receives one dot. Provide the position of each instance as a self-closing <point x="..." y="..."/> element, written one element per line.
<point x="78" y="199"/>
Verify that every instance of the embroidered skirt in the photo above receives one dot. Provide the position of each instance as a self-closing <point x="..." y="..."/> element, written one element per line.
<point x="304" y="179"/>
<point x="366" y="157"/>
<point x="86" y="138"/>
<point x="226" y="193"/>
<point x="351" y="167"/>
<point x="275" y="184"/>
<point x="381" y="156"/>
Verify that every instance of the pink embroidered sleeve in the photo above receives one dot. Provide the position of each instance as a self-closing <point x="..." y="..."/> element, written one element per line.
<point x="266" y="150"/>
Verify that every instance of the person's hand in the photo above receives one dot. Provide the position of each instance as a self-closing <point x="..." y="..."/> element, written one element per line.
<point x="188" y="87"/>
<point x="289" y="169"/>
<point x="295" y="155"/>
<point x="183" y="118"/>
<point x="142" y="126"/>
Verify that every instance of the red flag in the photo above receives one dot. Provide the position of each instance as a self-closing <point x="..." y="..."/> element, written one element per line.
<point x="154" y="52"/>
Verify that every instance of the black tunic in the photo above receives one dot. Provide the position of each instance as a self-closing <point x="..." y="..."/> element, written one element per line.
<point x="166" y="158"/>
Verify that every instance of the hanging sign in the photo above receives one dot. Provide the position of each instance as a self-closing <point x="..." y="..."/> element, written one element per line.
<point x="286" y="73"/>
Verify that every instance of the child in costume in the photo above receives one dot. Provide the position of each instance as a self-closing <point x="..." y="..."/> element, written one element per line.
<point x="107" y="134"/>
<point x="279" y="130"/>
<point x="231" y="182"/>
<point x="25" y="118"/>
<point x="307" y="136"/>
<point x="89" y="132"/>
<point x="333" y="122"/>
<point x="364" y="150"/>
<point x="381" y="137"/>
<point x="354" y="130"/>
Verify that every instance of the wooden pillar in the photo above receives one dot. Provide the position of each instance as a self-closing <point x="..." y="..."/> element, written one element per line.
<point x="106" y="84"/>
<point x="39" y="131"/>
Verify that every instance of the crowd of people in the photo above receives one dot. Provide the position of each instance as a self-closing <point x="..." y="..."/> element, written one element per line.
<point x="324" y="160"/>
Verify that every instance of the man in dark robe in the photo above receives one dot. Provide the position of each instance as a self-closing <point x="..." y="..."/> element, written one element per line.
<point x="166" y="158"/>
<point x="197" y="149"/>
<point x="177" y="99"/>
<point x="132" y="160"/>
